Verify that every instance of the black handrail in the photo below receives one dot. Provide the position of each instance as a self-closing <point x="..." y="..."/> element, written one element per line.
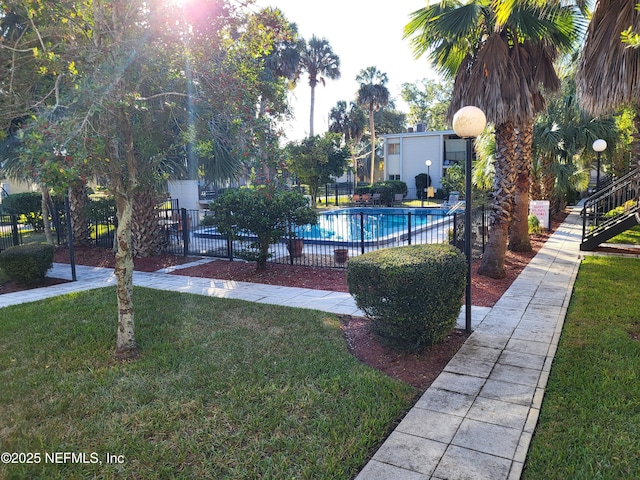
<point x="622" y="194"/>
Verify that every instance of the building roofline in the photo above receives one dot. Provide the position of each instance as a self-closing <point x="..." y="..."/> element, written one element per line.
<point x="430" y="133"/>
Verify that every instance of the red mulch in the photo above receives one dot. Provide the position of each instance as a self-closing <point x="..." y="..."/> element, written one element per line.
<point x="417" y="370"/>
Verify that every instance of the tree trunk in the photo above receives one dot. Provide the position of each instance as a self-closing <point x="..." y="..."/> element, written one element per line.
<point x="501" y="203"/>
<point x="313" y="101"/>
<point x="548" y="178"/>
<point x="373" y="144"/>
<point x="519" y="232"/>
<point x="635" y="142"/>
<point x="78" y="206"/>
<point x="126" y="347"/>
<point x="146" y="231"/>
<point x="45" y="214"/>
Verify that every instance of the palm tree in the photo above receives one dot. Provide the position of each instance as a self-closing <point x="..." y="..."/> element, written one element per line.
<point x="563" y="136"/>
<point x="320" y="63"/>
<point x="350" y="123"/>
<point x="372" y="95"/>
<point x="608" y="74"/>
<point x="499" y="55"/>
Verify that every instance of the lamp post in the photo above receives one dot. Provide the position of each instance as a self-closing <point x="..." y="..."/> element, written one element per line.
<point x="468" y="123"/>
<point x="599" y="146"/>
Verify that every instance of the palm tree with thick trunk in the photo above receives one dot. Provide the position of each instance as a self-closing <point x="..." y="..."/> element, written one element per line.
<point x="499" y="55"/>
<point x="373" y="94"/>
<point x="320" y="63"/>
<point x="608" y="75"/>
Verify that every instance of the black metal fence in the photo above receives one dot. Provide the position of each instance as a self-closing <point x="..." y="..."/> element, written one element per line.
<point x="10" y="234"/>
<point x="340" y="234"/>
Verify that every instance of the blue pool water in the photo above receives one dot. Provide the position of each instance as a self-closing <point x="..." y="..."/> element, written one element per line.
<point x="349" y="224"/>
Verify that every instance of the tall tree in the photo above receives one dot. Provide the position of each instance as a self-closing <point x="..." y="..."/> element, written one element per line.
<point x="123" y="89"/>
<point x="316" y="159"/>
<point x="608" y="76"/>
<point x="320" y="63"/>
<point x="563" y="139"/>
<point x="499" y="54"/>
<point x="372" y="95"/>
<point x="350" y="123"/>
<point x="428" y="102"/>
<point x="280" y="69"/>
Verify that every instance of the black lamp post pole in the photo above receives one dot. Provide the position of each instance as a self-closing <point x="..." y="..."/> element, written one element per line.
<point x="598" y="174"/>
<point x="467" y="234"/>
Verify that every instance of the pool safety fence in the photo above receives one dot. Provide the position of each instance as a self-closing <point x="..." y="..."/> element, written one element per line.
<point x="338" y="236"/>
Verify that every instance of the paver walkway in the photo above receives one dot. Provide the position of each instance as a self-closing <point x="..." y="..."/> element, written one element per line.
<point x="477" y="419"/>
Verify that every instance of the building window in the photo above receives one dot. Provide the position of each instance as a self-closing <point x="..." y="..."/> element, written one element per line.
<point x="393" y="149"/>
<point x="394" y="177"/>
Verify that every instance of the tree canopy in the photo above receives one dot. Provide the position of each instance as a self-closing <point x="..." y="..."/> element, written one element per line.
<point x="315" y="160"/>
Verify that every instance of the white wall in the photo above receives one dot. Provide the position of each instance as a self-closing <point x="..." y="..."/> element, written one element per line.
<point x="13" y="186"/>
<point x="186" y="191"/>
<point x="416" y="150"/>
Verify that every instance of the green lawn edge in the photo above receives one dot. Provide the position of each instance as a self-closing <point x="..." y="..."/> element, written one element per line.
<point x="224" y="389"/>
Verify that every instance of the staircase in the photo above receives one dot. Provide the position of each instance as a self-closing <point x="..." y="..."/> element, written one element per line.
<point x="611" y="210"/>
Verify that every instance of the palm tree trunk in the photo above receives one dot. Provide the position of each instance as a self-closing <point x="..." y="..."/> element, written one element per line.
<point x="548" y="178"/>
<point x="78" y="204"/>
<point x="372" y="129"/>
<point x="519" y="232"/>
<point x="146" y="232"/>
<point x="635" y="142"/>
<point x="313" y="102"/>
<point x="501" y="204"/>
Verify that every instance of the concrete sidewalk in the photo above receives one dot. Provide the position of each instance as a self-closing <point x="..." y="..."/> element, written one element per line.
<point x="477" y="419"/>
<point x="89" y="278"/>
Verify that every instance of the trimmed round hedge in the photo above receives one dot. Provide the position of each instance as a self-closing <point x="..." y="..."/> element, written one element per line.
<point x="27" y="264"/>
<point x="412" y="294"/>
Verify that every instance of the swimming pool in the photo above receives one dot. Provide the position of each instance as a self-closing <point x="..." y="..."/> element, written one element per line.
<point x="361" y="226"/>
<point x="356" y="225"/>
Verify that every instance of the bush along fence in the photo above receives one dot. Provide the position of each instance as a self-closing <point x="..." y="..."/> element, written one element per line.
<point x="10" y="234"/>
<point x="338" y="236"/>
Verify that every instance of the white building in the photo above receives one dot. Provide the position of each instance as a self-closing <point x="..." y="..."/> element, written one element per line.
<point x="405" y="156"/>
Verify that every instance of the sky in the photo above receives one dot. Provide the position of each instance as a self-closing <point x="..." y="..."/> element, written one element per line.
<point x="362" y="33"/>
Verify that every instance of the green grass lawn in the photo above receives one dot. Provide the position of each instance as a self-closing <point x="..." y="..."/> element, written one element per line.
<point x="224" y="389"/>
<point x="630" y="237"/>
<point x="590" y="420"/>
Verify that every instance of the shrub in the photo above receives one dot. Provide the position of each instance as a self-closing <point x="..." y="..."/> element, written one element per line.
<point x="268" y="213"/>
<point x="28" y="205"/>
<point x="412" y="294"/>
<point x="207" y="221"/>
<point x="27" y="264"/>
<point x="534" y="225"/>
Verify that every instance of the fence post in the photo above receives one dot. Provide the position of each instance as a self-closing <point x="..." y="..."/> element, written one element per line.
<point x="362" y="232"/>
<point x="185" y="230"/>
<point x="409" y="227"/>
<point x="14" y="230"/>
<point x="337" y="200"/>
<point x="67" y="215"/>
<point x="454" y="241"/>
